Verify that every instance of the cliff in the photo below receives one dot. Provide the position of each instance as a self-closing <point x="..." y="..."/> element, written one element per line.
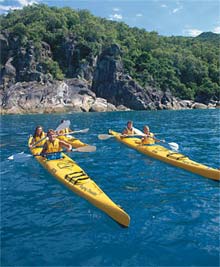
<point x="74" y="61"/>
<point x="107" y="87"/>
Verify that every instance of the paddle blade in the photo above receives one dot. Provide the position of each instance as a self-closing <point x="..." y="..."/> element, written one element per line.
<point x="63" y="125"/>
<point x="85" y="149"/>
<point x="80" y="131"/>
<point x="138" y="132"/>
<point x="84" y="130"/>
<point x="20" y="156"/>
<point x="104" y="136"/>
<point x="174" y="146"/>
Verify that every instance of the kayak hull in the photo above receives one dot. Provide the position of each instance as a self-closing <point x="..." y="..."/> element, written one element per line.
<point x="71" y="175"/>
<point x="163" y="154"/>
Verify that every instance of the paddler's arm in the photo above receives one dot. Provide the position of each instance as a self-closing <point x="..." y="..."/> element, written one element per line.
<point x="158" y="140"/>
<point x="43" y="152"/>
<point x="66" y="145"/>
<point x="31" y="143"/>
<point x="124" y="132"/>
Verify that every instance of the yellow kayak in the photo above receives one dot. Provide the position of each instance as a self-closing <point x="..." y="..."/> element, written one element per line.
<point x="74" y="142"/>
<point x="70" y="174"/>
<point x="168" y="156"/>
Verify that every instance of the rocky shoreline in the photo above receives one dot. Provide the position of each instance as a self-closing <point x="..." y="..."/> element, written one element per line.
<point x="75" y="95"/>
<point x="98" y="85"/>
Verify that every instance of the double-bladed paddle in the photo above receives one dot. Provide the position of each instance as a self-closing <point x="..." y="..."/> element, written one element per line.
<point x="22" y="156"/>
<point x="74" y="132"/>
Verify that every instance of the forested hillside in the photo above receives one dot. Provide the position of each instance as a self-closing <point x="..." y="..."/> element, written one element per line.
<point x="188" y="67"/>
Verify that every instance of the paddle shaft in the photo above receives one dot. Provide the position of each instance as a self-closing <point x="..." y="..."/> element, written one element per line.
<point x="79" y="149"/>
<point x="74" y="132"/>
<point x="42" y="139"/>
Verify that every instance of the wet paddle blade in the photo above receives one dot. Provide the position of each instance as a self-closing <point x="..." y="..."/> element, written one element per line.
<point x="20" y="156"/>
<point x="63" y="125"/>
<point x="138" y="132"/>
<point x="85" y="149"/>
<point x="104" y="136"/>
<point x="80" y="131"/>
<point x="174" y="146"/>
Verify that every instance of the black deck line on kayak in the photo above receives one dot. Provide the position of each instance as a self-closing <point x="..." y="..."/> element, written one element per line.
<point x="74" y="179"/>
<point x="177" y="158"/>
<point x="72" y="139"/>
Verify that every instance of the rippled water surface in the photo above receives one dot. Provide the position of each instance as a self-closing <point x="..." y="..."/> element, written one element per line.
<point x="174" y="214"/>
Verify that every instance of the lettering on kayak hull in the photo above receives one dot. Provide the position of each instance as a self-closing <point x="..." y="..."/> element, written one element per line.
<point x="79" y="178"/>
<point x="88" y="190"/>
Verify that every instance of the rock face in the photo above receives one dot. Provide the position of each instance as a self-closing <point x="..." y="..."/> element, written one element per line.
<point x="23" y="63"/>
<point x="111" y="83"/>
<point x="78" y="60"/>
<point x="67" y="96"/>
<point x="94" y="83"/>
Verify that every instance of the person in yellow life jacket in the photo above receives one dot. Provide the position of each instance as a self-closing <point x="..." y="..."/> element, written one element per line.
<point x="65" y="130"/>
<point x="129" y="130"/>
<point x="38" y="135"/>
<point x="149" y="138"/>
<point x="54" y="145"/>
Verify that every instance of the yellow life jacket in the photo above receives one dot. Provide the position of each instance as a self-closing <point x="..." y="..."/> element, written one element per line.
<point x="63" y="131"/>
<point x="148" y="140"/>
<point x="53" y="146"/>
<point x="38" y="138"/>
<point x="128" y="131"/>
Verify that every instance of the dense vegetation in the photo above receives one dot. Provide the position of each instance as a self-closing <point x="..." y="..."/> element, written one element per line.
<point x="188" y="67"/>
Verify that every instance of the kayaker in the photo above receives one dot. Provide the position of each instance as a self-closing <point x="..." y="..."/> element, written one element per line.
<point x="54" y="146"/>
<point x="129" y="130"/>
<point x="38" y="135"/>
<point x="65" y="130"/>
<point x="149" y="138"/>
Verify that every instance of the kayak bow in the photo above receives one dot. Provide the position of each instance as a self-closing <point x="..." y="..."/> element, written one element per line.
<point x="71" y="175"/>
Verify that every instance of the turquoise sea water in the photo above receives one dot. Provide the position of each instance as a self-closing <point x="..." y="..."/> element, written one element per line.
<point x="174" y="214"/>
